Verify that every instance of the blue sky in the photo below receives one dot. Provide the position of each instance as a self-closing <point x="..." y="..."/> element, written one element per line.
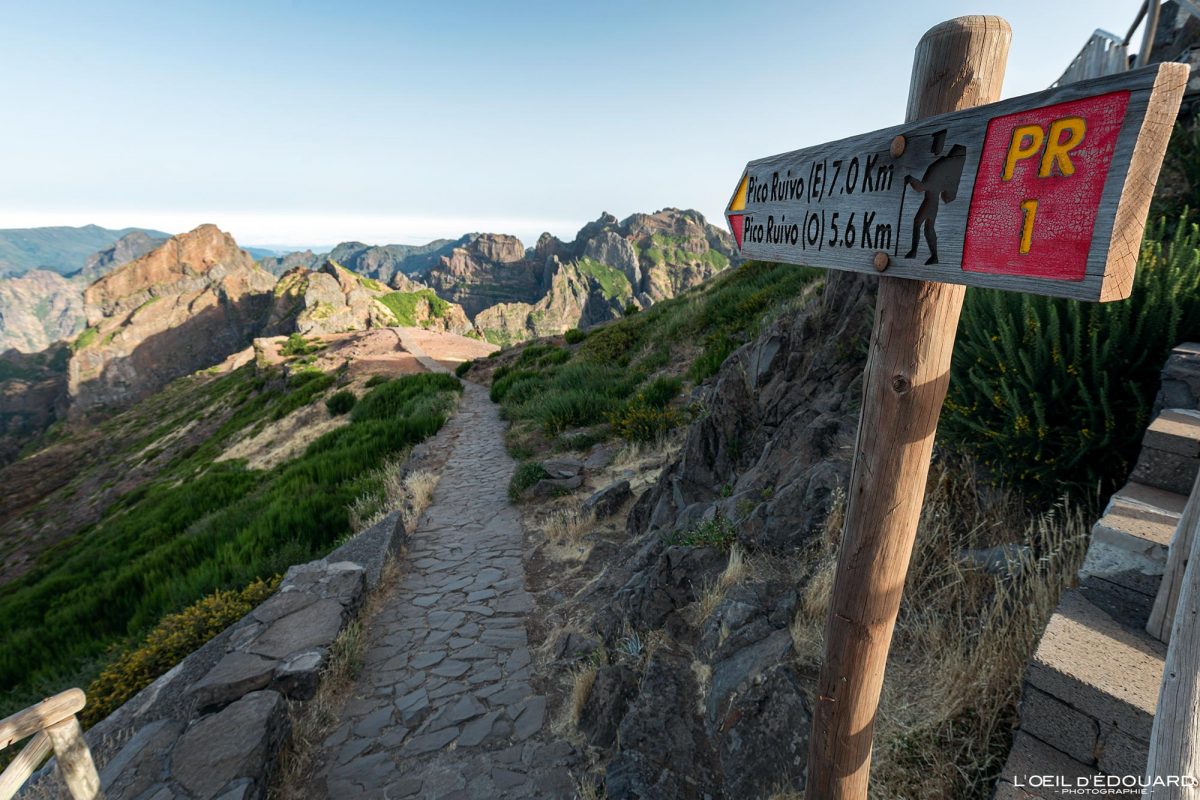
<point x="305" y="122"/>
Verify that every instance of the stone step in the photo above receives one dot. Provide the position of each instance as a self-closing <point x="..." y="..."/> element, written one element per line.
<point x="1128" y="551"/>
<point x="1180" y="379"/>
<point x="1029" y="763"/>
<point x="1170" y="455"/>
<point x="1092" y="687"/>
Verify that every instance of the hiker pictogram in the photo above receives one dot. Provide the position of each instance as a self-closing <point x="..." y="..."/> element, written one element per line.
<point x="939" y="184"/>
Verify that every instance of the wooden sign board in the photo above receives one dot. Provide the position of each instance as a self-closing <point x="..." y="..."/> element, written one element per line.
<point x="1045" y="194"/>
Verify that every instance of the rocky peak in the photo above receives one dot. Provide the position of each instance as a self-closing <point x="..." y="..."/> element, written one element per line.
<point x="604" y="222"/>
<point x="184" y="306"/>
<point x="182" y="261"/>
<point x="499" y="247"/>
<point x="547" y="247"/>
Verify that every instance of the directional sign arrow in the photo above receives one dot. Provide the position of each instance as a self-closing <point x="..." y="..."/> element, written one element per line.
<point x="1045" y="194"/>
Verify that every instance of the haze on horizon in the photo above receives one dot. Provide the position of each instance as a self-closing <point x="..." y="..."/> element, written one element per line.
<point x="298" y="123"/>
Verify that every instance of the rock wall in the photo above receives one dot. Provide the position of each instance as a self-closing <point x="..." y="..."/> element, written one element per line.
<point x="38" y="309"/>
<point x="721" y="709"/>
<point x="334" y="299"/>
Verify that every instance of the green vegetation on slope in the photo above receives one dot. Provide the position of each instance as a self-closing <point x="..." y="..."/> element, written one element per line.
<point x="203" y="525"/>
<point x="666" y="249"/>
<point x="612" y="281"/>
<point x="403" y="305"/>
<point x="613" y="378"/>
<point x="85" y="338"/>
<point x="1054" y="395"/>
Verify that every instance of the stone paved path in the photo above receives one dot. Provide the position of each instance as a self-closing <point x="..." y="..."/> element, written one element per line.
<point x="443" y="707"/>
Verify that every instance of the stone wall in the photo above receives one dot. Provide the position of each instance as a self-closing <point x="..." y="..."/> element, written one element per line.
<point x="1091" y="688"/>
<point x="215" y="724"/>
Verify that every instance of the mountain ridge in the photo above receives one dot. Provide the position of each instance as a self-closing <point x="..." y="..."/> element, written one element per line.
<point x="60" y="248"/>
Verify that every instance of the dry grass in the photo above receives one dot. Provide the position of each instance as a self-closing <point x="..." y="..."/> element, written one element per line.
<point x="637" y="454"/>
<point x="582" y="680"/>
<point x="567" y="526"/>
<point x="736" y="571"/>
<point x="418" y="489"/>
<point x="963" y="636"/>
<point x="590" y="788"/>
<point x="410" y="493"/>
<point x="314" y="720"/>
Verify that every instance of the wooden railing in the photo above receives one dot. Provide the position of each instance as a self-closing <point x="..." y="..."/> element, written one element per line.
<point x="54" y="729"/>
<point x="1104" y="54"/>
<point x="1173" y="765"/>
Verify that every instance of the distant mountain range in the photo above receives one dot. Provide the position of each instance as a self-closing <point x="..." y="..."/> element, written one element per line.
<point x="67" y="250"/>
<point x="58" y="249"/>
<point x="142" y="310"/>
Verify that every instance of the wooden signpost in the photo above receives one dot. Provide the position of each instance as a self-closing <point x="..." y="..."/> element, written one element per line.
<point x="1043" y="194"/>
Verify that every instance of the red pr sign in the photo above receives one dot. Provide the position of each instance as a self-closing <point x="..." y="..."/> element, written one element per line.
<point x="1038" y="188"/>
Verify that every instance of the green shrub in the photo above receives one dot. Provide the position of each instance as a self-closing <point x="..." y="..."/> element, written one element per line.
<point x="541" y="355"/>
<point x="611" y="344"/>
<point x="85" y="338"/>
<point x="463" y="368"/>
<point x="569" y="409"/>
<point x="1054" y="395"/>
<point x="303" y="387"/>
<point x="341" y="402"/>
<point x="173" y="638"/>
<point x="631" y="308"/>
<point x="574" y="336"/>
<point x="504" y="378"/>
<point x="405" y="397"/>
<point x="297" y="345"/>
<point x="639" y="421"/>
<point x="659" y="392"/>
<point x="527" y="474"/>
<point x="716" y="532"/>
<point x="1179" y="183"/>
<point x="717" y="348"/>
<point x="376" y="380"/>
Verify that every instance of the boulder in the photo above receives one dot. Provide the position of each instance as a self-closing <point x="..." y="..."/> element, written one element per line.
<point x="762" y="741"/>
<point x="298" y="676"/>
<point x="608" y="501"/>
<point x="677" y="578"/>
<point x="234" y="676"/>
<point x="551" y="487"/>
<point x="315" y="625"/>
<point x="614" y="688"/>
<point x="239" y="743"/>
<point x="137" y="766"/>
<point x="663" y="750"/>
<point x="562" y="467"/>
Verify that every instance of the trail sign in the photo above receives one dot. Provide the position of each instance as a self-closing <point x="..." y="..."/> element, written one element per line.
<point x="1044" y="194"/>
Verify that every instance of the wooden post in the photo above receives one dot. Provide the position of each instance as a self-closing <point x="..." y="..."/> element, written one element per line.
<point x="1143" y="56"/>
<point x="74" y="760"/>
<point x="24" y="765"/>
<point x="1165" y="602"/>
<point x="53" y="725"/>
<point x="1175" y="737"/>
<point x="958" y="64"/>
